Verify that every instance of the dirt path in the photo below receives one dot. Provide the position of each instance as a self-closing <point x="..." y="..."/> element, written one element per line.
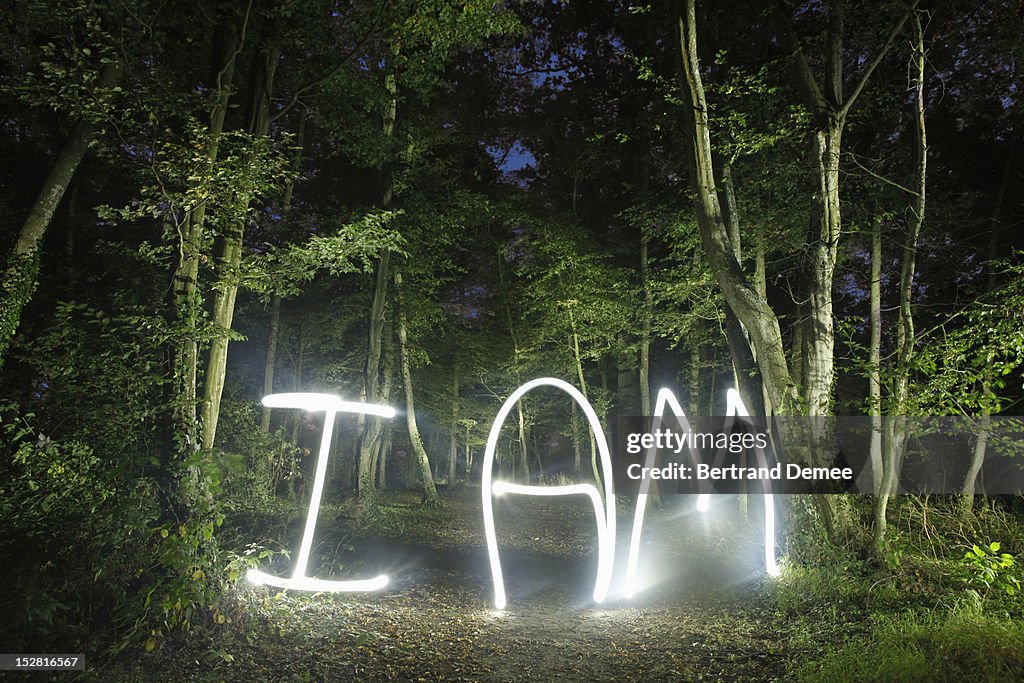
<point x="704" y="616"/>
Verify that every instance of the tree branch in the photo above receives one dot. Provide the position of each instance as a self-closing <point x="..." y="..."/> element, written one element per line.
<point x="332" y="71"/>
<point x="808" y="84"/>
<point x="889" y="39"/>
<point x="876" y="176"/>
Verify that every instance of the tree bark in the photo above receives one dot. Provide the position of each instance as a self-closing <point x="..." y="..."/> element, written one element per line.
<point x="574" y="340"/>
<point x="369" y="443"/>
<point x="895" y="431"/>
<point x="522" y="441"/>
<point x="988" y="398"/>
<point x="419" y="452"/>
<point x="188" y="299"/>
<point x="453" y="441"/>
<point x="275" y="300"/>
<point x="875" y="359"/>
<point x="230" y="262"/>
<point x="645" y="331"/>
<point x="370" y="426"/>
<point x="268" y="365"/>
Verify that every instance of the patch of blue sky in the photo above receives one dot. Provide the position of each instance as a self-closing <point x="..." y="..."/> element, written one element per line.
<point x="512" y="159"/>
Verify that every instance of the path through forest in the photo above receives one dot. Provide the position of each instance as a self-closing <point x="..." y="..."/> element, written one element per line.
<point x="705" y="616"/>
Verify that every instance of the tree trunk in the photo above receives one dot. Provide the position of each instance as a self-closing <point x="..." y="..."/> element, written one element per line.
<point x="370" y="426"/>
<point x="743" y="360"/>
<point x="977" y="460"/>
<point x="577" y="449"/>
<point x="231" y="259"/>
<point x="875" y="360"/>
<point x="268" y="366"/>
<point x="382" y="459"/>
<point x="522" y="441"/>
<point x="297" y="386"/>
<point x="188" y="298"/>
<point x="22" y="268"/>
<point x="578" y="360"/>
<point x="645" y="331"/>
<point x="895" y="431"/>
<point x="275" y="300"/>
<point x="370" y="441"/>
<point x="819" y="324"/>
<point x="427" y="480"/>
<point x="453" y="441"/>
<point x="985" y="421"/>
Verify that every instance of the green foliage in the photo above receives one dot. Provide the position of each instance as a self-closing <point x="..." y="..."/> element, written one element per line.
<point x="72" y="528"/>
<point x="74" y="41"/>
<point x="283" y="270"/>
<point x="180" y="176"/>
<point x="840" y="583"/>
<point x="990" y="573"/>
<point x="965" y="368"/>
<point x="101" y="379"/>
<point x="262" y="466"/>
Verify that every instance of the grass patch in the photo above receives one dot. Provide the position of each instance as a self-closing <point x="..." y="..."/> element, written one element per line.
<point x="913" y="647"/>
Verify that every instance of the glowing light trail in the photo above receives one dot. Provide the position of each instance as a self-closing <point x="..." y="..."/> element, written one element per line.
<point x="331" y="405"/>
<point x="605" y="518"/>
<point x="664" y="397"/>
<point x="734" y="407"/>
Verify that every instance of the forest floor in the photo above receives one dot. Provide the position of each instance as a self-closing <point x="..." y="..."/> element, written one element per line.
<point x="706" y="614"/>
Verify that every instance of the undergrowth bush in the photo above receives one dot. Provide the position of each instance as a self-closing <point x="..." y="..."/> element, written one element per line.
<point x="92" y="563"/>
<point x="73" y="528"/>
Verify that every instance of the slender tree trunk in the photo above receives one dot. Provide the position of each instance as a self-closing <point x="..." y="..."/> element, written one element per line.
<point x="744" y="367"/>
<point x="231" y="260"/>
<point x="419" y="452"/>
<point x="388" y="372"/>
<point x="275" y="300"/>
<point x="453" y="441"/>
<point x="988" y="398"/>
<point x="896" y="429"/>
<point x="819" y="330"/>
<point x="382" y="459"/>
<point x="188" y="298"/>
<point x="577" y="449"/>
<point x="297" y="386"/>
<point x="875" y="359"/>
<point x="578" y="360"/>
<point x="645" y="331"/>
<point x="370" y="441"/>
<point x="268" y="366"/>
<point x="693" y="383"/>
<point x="370" y="426"/>
<point x="977" y="460"/>
<point x="522" y="441"/>
<point x="22" y="268"/>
